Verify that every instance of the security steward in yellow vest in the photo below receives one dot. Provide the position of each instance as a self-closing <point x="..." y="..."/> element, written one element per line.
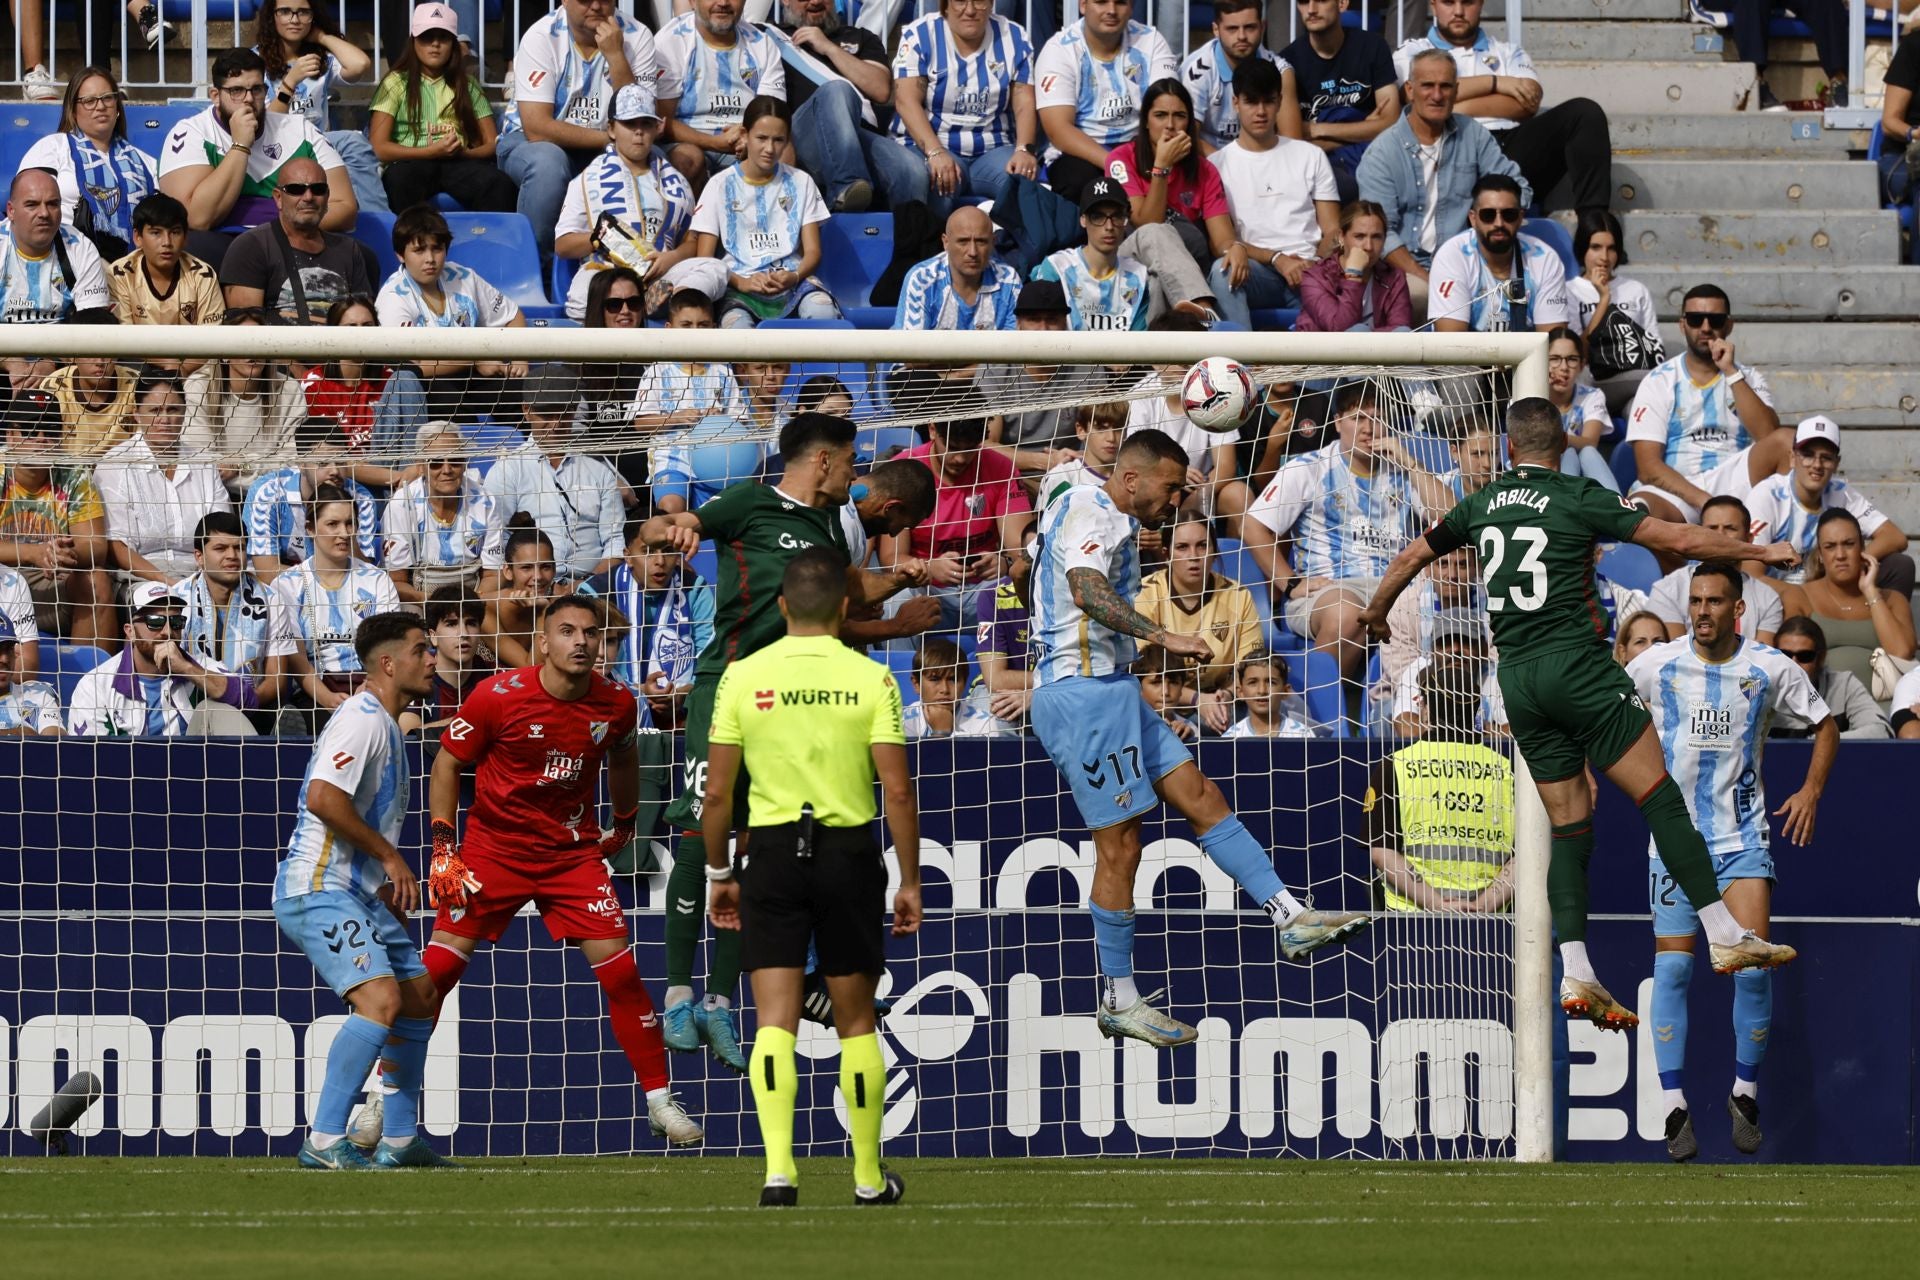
<point x="1440" y="811"/>
<point x="813" y="722"/>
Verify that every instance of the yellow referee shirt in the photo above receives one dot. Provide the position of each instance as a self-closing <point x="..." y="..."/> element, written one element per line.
<point x="805" y="712"/>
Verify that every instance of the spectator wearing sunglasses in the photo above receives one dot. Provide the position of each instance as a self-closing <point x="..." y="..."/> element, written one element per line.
<point x="293" y="266"/>
<point x="1854" y="710"/>
<point x="1492" y="277"/>
<point x="151" y="690"/>
<point x="1703" y="424"/>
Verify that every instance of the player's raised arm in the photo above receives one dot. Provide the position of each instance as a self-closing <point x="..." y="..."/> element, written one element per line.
<point x="1406" y="566"/>
<point x="1692" y="542"/>
<point x="680" y="532"/>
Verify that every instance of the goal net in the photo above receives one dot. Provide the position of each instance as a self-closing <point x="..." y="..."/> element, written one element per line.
<point x="273" y="484"/>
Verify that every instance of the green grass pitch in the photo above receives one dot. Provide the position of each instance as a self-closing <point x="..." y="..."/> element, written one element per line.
<point x="1001" y="1220"/>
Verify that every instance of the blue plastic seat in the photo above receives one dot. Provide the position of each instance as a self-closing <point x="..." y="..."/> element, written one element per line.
<point x="878" y="444"/>
<point x="1624" y="463"/>
<point x="375" y="230"/>
<point x="855" y="248"/>
<point x="1275" y="319"/>
<point x="705" y="561"/>
<point x="1630" y="565"/>
<point x="21" y="125"/>
<point x="501" y="248"/>
<point x="148" y="123"/>
<point x="1316" y="675"/>
<point x="1555" y="237"/>
<point x="62" y="665"/>
<point x="900" y="662"/>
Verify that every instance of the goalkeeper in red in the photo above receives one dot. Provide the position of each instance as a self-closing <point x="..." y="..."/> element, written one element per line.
<point x="1567" y="701"/>
<point x="535" y="738"/>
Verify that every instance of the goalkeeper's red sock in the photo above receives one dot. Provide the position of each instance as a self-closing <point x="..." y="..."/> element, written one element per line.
<point x="446" y="966"/>
<point x="630" y="1010"/>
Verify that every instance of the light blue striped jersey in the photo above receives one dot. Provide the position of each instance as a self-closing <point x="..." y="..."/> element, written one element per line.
<point x="548" y="67"/>
<point x="1779" y="517"/>
<point x="361" y="751"/>
<point x="709" y="388"/>
<point x="467" y="301"/>
<point x="38" y="291"/>
<point x="1344" y="525"/>
<point x="1104" y="94"/>
<point x="969" y="98"/>
<point x="759" y="223"/>
<point x="275" y="515"/>
<point x="1112" y="302"/>
<point x="1696" y="424"/>
<point x="715" y="84"/>
<point x="324" y="618"/>
<point x="1210" y="82"/>
<point x="31" y="706"/>
<point x="928" y="300"/>
<point x="1712" y="718"/>
<point x="1081" y="529"/>
<point x="1462" y="288"/>
<point x="415" y="537"/>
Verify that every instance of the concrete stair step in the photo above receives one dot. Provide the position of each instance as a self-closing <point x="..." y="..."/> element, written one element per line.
<point x="1743" y="185"/>
<point x="1771" y="345"/>
<point x="1592" y="11"/>
<point x="1855" y="396"/>
<point x="1750" y="131"/>
<point x="1612" y="40"/>
<point x="1792" y="293"/>
<point x="1685" y="86"/>
<point x="1811" y="237"/>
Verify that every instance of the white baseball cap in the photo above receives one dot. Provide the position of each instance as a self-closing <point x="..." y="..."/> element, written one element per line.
<point x="1818" y="427"/>
<point x="149" y="594"/>
<point x="634" y="102"/>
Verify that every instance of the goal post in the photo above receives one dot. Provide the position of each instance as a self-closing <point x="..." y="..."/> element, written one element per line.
<point x="143" y="852"/>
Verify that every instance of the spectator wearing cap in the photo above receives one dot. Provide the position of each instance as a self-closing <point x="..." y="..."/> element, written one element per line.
<point x="711" y="63"/>
<point x="29" y="292"/>
<point x="444" y="528"/>
<point x="1855" y="712"/>
<point x="431" y="125"/>
<point x="293" y="266"/>
<point x="573" y="498"/>
<point x="53" y="529"/>
<point x="1090" y="80"/>
<point x="836" y="75"/>
<point x="1499" y="86"/>
<point x="1786" y="508"/>
<point x="155" y="496"/>
<point x="964" y="286"/>
<point x="275" y="512"/>
<point x="977" y="513"/>
<point x="154" y="686"/>
<point x="28" y="708"/>
<point x="1284" y="202"/>
<point x="1105" y="291"/>
<point x="569" y="65"/>
<point x="630" y="208"/>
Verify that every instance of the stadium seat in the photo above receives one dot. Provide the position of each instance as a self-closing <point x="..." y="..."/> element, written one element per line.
<point x="148" y="123"/>
<point x="560" y="278"/>
<point x="1316" y="675"/>
<point x="21" y="125"/>
<point x="1624" y="463"/>
<point x="180" y="12"/>
<point x="854" y="249"/>
<point x="375" y="230"/>
<point x="1555" y="237"/>
<point x="500" y="247"/>
<point x="62" y="665"/>
<point x="900" y="662"/>
<point x="447" y="204"/>
<point x="854" y="375"/>
<point x="705" y="562"/>
<point x="877" y="444"/>
<point x="1275" y="319"/>
<point x="1628" y="564"/>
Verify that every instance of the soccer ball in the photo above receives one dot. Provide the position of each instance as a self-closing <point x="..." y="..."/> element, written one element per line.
<point x="1217" y="394"/>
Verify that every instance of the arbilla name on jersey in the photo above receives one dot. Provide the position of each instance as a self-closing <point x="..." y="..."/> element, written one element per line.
<point x="1531" y="499"/>
<point x="561" y="767"/>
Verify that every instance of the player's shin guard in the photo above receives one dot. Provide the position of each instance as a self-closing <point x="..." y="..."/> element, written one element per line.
<point x="404" y="1072"/>
<point x="1572" y="850"/>
<point x="630" y="1010"/>
<point x="1752" y="1024"/>
<point x="1235" y="851"/>
<point x="686" y="907"/>
<point x="863" y="1083"/>
<point x="1680" y="846"/>
<point x="775" y="1086"/>
<point x="356" y="1047"/>
<point x="1672" y="972"/>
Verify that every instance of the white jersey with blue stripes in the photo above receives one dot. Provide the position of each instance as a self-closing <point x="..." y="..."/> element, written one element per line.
<point x="42" y="290"/>
<point x="325" y="618"/>
<point x="1779" y="516"/>
<point x="759" y="223"/>
<point x="969" y="98"/>
<point x="1696" y="423"/>
<point x="715" y="83"/>
<point x="362" y="752"/>
<point x="1463" y="288"/>
<point x="414" y="535"/>
<point x="1114" y="301"/>
<point x="1104" y="93"/>
<point x="1209" y="79"/>
<point x="928" y="299"/>
<point x="467" y="301"/>
<point x="1082" y="529"/>
<point x="549" y="67"/>
<point x="1344" y="525"/>
<point x="1713" y="718"/>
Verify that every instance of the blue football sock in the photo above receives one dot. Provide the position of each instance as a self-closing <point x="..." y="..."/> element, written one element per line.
<point x="1235" y="851"/>
<point x="355" y="1049"/>
<point x="1672" y="972"/>
<point x="1752" y="1023"/>
<point x="405" y="1076"/>
<point x="1113" y="935"/>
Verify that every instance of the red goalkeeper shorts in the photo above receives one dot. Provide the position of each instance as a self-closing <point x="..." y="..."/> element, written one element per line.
<point x="575" y="899"/>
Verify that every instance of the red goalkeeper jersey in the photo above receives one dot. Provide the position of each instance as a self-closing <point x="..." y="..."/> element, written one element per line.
<point x="537" y="759"/>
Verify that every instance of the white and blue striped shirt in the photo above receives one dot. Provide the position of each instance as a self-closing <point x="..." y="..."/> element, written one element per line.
<point x="361" y="752"/>
<point x="1779" y="517"/>
<point x="1104" y="94"/>
<point x="253" y="626"/>
<point x="1462" y="288"/>
<point x="1210" y="81"/>
<point x="1697" y="425"/>
<point x="1343" y="525"/>
<point x="928" y="299"/>
<point x="31" y="706"/>
<point x="37" y="291"/>
<point x="416" y="538"/>
<point x="467" y="301"/>
<point x="325" y="618"/>
<point x="548" y="67"/>
<point x="1081" y="529"/>
<point x="969" y="98"/>
<point x="759" y="223"/>
<point x="707" y="388"/>
<point x="1114" y="302"/>
<point x="275" y="515"/>
<point x="715" y="84"/>
<point x="1713" y="718"/>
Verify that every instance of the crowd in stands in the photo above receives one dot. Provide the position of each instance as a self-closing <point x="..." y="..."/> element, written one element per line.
<point x="214" y="528"/>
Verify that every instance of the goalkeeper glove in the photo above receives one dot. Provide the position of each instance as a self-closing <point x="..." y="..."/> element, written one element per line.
<point x="448" y="880"/>
<point x="620" y="835"/>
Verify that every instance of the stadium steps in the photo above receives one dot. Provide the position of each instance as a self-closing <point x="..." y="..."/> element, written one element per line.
<point x="1791" y="237"/>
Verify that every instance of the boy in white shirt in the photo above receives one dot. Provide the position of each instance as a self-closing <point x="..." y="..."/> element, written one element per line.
<point x="426" y="292"/>
<point x="1272" y="705"/>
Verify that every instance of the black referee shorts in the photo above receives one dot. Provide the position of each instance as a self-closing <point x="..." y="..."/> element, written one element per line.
<point x="835" y="899"/>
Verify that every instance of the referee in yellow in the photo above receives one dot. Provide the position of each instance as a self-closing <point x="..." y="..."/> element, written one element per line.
<point x="813" y="722"/>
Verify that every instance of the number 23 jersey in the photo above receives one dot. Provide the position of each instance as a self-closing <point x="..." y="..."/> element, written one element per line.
<point x="1535" y="529"/>
<point x="537" y="758"/>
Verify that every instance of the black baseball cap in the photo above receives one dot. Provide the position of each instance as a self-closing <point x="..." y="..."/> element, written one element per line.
<point x="1103" y="191"/>
<point x="31" y="411"/>
<point x="1042" y="298"/>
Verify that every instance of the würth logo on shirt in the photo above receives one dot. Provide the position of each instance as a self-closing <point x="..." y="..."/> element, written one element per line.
<point x="763" y="699"/>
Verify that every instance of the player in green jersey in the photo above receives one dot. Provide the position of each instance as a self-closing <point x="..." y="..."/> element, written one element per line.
<point x="756" y="529"/>
<point x="1567" y="701"/>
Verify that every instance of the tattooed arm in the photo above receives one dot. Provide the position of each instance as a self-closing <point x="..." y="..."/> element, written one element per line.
<point x="1094" y="594"/>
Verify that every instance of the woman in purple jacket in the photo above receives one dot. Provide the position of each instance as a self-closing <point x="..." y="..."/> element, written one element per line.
<point x="1355" y="288"/>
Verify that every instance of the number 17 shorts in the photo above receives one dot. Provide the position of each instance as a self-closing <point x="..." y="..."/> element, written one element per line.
<point x="1108" y="744"/>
